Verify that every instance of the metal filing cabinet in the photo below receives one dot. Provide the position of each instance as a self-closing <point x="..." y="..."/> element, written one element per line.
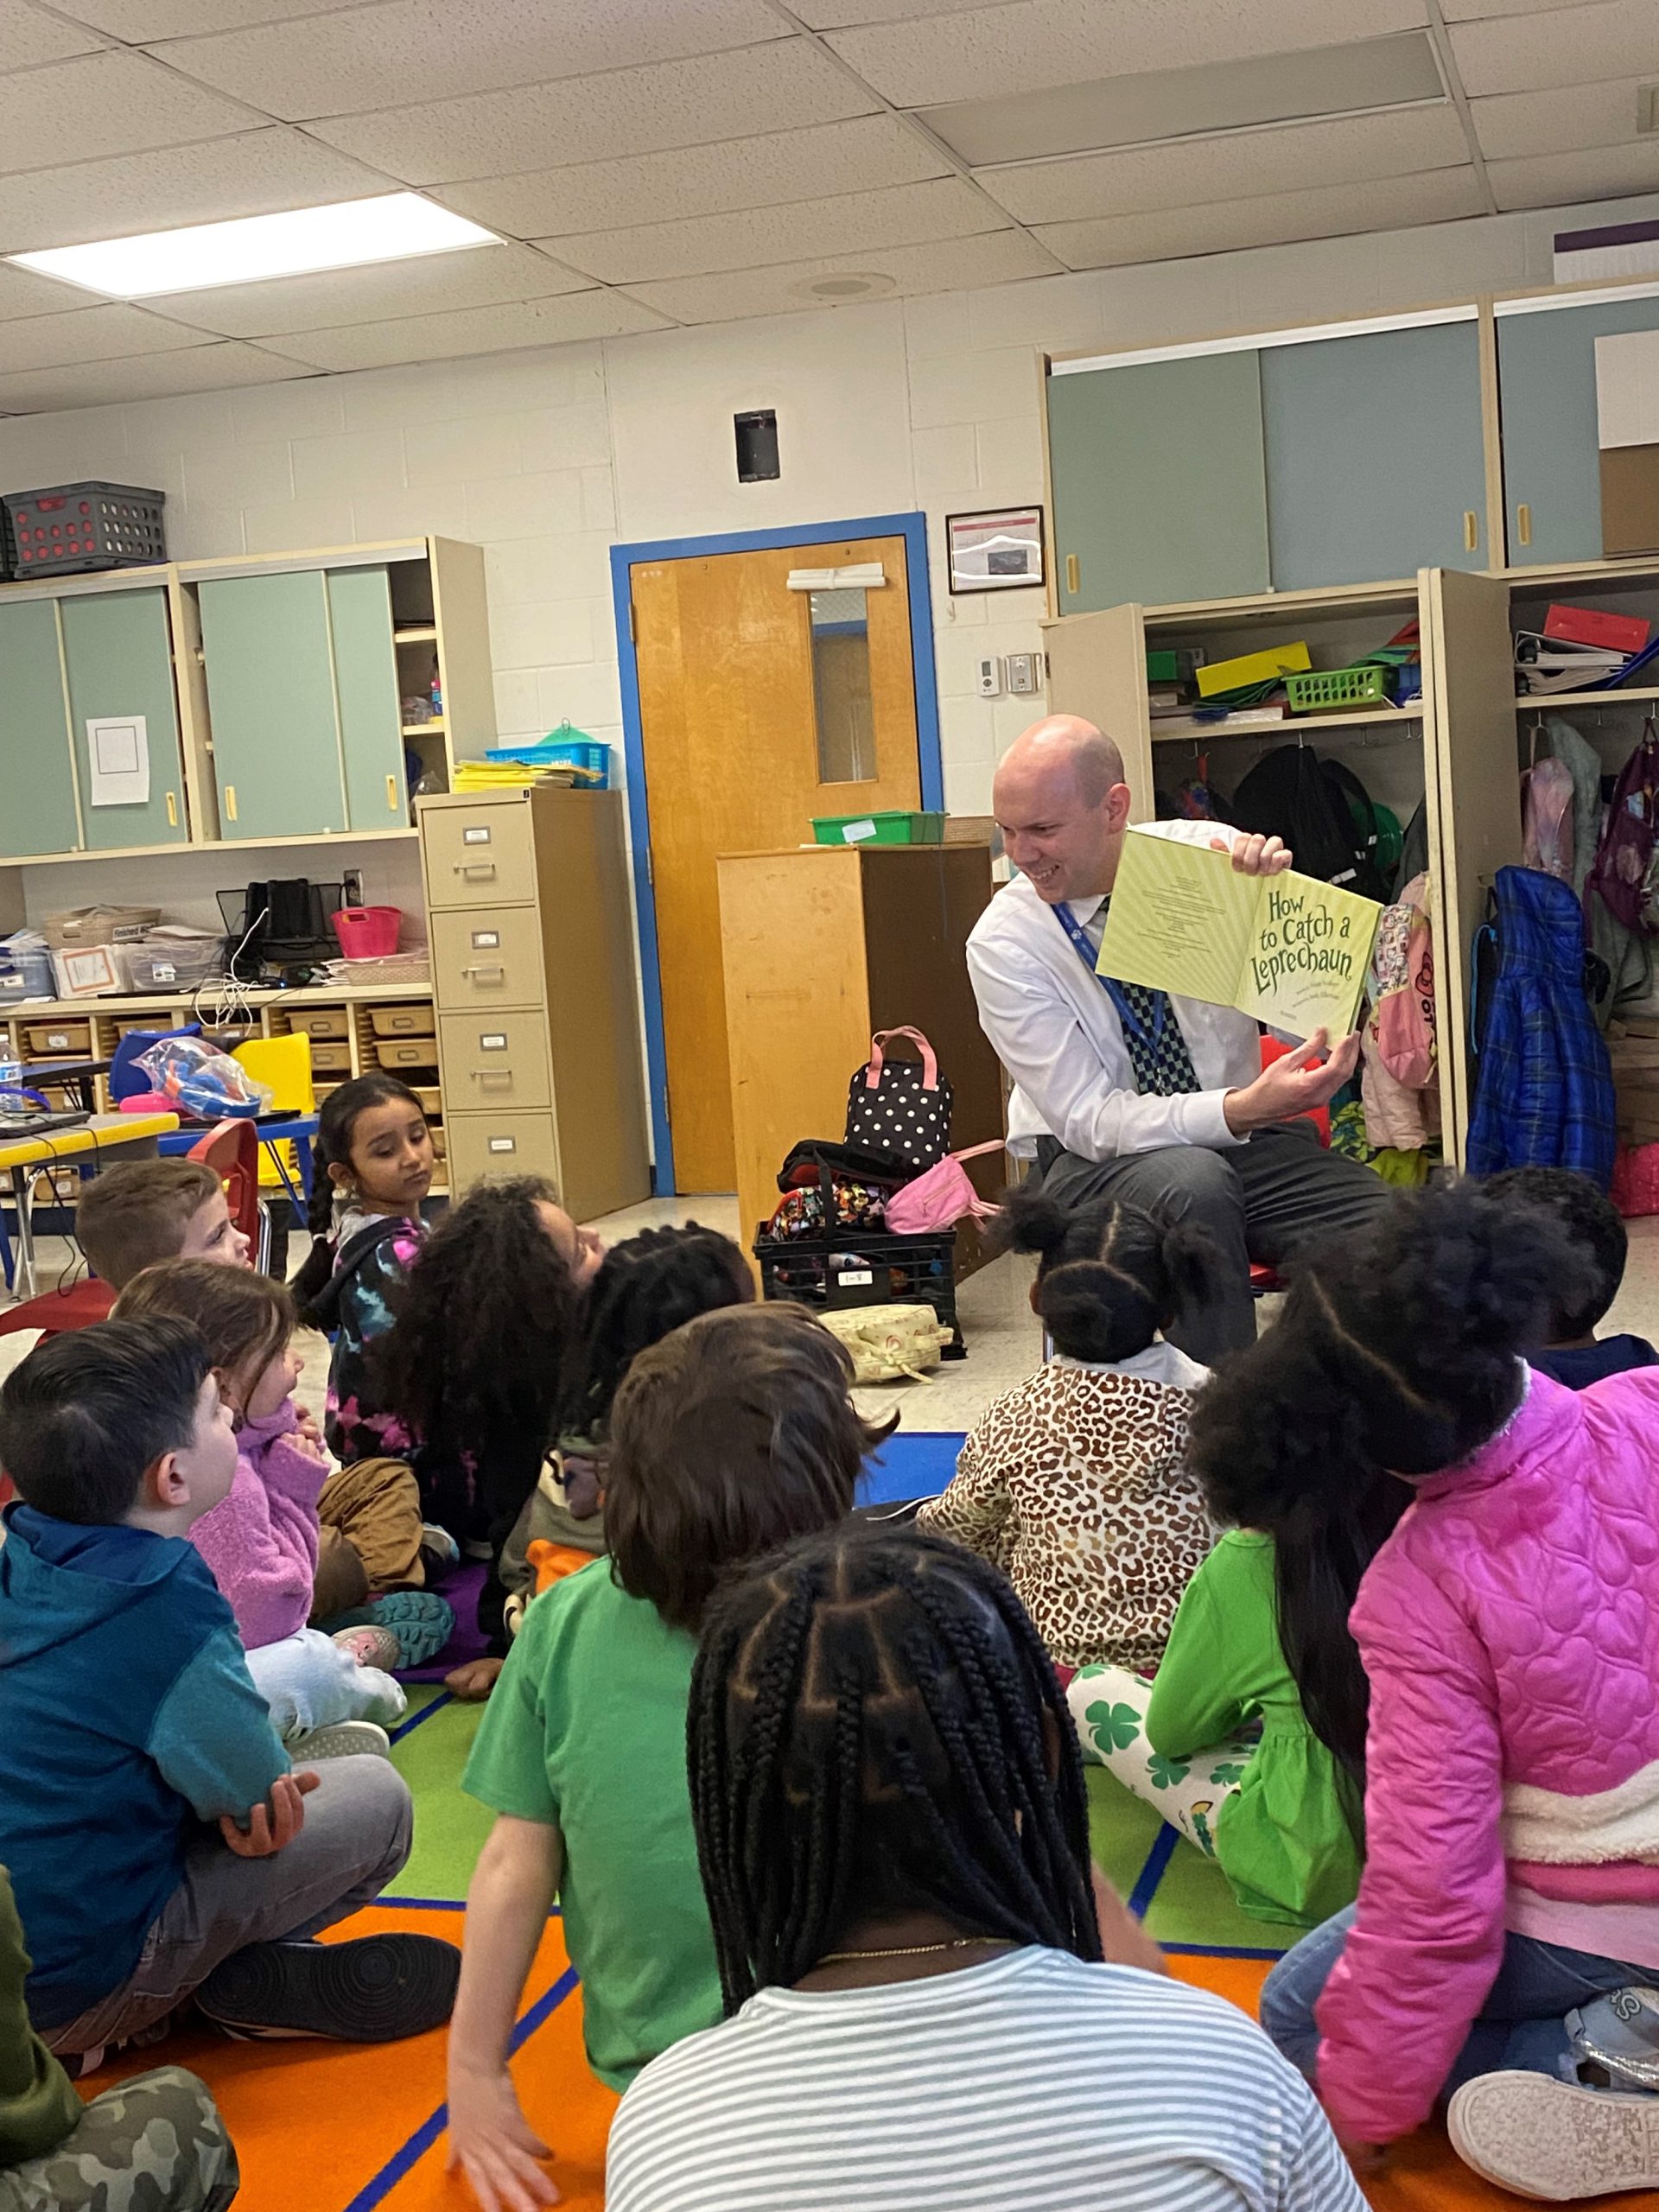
<point x="533" y="978"/>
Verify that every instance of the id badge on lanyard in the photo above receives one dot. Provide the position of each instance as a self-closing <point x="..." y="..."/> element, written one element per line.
<point x="1150" y="1040"/>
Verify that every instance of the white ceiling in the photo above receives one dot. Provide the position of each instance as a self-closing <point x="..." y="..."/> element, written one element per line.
<point x="659" y="162"/>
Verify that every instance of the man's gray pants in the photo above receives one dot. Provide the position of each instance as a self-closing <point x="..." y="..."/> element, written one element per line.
<point x="1259" y="1200"/>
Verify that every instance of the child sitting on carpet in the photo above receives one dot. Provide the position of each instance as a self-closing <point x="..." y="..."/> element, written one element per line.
<point x="1076" y="1482"/>
<point x="142" y="1211"/>
<point x="733" y="1435"/>
<point x="470" y="1369"/>
<point x="139" y="1772"/>
<point x="646" y="1287"/>
<point x="932" y="1999"/>
<point x="1509" y="1629"/>
<point x="326" y="1695"/>
<point x="1571" y="1354"/>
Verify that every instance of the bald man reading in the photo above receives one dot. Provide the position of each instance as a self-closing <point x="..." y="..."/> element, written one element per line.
<point x="1123" y="1092"/>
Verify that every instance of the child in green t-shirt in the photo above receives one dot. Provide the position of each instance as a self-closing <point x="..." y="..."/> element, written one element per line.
<point x="733" y="1435"/>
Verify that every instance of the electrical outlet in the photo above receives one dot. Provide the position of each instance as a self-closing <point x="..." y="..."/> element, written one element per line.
<point x="990" y="676"/>
<point x="1022" y="673"/>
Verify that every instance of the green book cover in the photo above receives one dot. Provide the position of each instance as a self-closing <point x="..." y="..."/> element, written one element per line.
<point x="1288" y="950"/>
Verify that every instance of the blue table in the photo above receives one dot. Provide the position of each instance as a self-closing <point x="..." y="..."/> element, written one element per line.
<point x="274" y="1131"/>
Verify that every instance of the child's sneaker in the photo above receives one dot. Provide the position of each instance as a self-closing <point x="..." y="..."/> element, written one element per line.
<point x="421" y="1621"/>
<point x="371" y="1646"/>
<point x="343" y="1740"/>
<point x="1553" y="2140"/>
<point x="376" y="1989"/>
<point x="438" y="1545"/>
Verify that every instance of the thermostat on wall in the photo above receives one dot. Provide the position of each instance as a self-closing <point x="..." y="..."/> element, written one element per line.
<point x="990" y="675"/>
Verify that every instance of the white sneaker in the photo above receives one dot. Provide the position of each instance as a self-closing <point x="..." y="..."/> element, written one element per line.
<point x="1553" y="2140"/>
<point x="345" y="1738"/>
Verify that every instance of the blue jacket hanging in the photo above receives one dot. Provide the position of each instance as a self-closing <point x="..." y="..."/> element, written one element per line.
<point x="1543" y="1085"/>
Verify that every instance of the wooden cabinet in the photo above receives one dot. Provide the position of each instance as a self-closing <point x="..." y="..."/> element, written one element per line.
<point x="1547" y="396"/>
<point x="1375" y="458"/>
<point x="821" y="946"/>
<point x="118" y="657"/>
<point x="1159" y="491"/>
<point x="533" y="976"/>
<point x="39" y="814"/>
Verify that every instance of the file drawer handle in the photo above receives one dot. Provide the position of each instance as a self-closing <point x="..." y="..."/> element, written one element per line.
<point x="482" y="969"/>
<point x="502" y="1077"/>
<point x="476" y="871"/>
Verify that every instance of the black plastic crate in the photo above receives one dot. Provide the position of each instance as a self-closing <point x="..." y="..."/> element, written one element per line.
<point x="65" y="530"/>
<point x="825" y="1273"/>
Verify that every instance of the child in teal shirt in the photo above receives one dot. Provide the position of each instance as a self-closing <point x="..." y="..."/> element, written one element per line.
<point x="732" y="1435"/>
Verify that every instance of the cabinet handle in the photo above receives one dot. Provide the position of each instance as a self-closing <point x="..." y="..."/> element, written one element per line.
<point x="230" y="800"/>
<point x="172" y="811"/>
<point x="487" y="968"/>
<point x="483" y="871"/>
<point x="500" y="1076"/>
<point x="1072" y="573"/>
<point x="1471" y="530"/>
<point x="392" y="793"/>
<point x="1523" y="523"/>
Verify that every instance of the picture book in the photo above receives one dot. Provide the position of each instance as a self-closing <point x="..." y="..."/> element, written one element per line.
<point x="1288" y="950"/>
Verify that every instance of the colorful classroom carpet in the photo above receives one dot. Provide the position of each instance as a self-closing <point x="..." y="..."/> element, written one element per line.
<point x="328" y="2128"/>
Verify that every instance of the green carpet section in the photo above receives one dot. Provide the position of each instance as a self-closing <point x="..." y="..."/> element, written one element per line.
<point x="449" y="1826"/>
<point x="1193" y="1902"/>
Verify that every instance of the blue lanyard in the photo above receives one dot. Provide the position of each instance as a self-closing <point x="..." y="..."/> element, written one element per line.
<point x="1150" y="1041"/>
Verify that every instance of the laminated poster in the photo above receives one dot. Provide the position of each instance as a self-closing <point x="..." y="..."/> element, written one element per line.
<point x="1288" y="950"/>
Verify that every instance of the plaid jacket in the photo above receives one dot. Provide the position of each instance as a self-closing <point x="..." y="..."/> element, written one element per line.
<point x="1544" y="1088"/>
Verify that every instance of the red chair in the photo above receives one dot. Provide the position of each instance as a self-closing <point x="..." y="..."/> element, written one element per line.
<point x="231" y="1150"/>
<point x="1264" y="1280"/>
<point x="56" y="1311"/>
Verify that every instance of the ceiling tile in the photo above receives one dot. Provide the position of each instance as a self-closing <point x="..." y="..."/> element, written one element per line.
<point x="144" y="376"/>
<point x="478" y="277"/>
<point x="1029" y="44"/>
<point x="1563" y="45"/>
<point x="1466" y="11"/>
<point x="1515" y="125"/>
<point x="107" y="103"/>
<point x="846" y="14"/>
<point x="1279" y="220"/>
<point x="865" y="154"/>
<point x="140" y="21"/>
<point x="694" y="103"/>
<point x="1558" y="179"/>
<point x="89" y="334"/>
<point x="1240" y="164"/>
<point x="443" y="48"/>
<point x="999" y="258"/>
<point x="256" y="174"/>
<point x="28" y="37"/>
<point x="908" y="214"/>
<point x="485" y="330"/>
<point x="22" y="292"/>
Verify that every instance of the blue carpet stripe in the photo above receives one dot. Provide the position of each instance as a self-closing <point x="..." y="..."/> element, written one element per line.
<point x="443" y="1698"/>
<point x="403" y="2161"/>
<point x="1215" y="1951"/>
<point x="1145" y="1886"/>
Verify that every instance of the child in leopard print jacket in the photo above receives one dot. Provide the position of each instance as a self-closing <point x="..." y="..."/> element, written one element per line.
<point x="1077" y="1483"/>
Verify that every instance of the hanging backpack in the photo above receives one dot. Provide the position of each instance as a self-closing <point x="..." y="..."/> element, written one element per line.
<point x="1379" y="851"/>
<point x="1543" y="1084"/>
<point x="1619" y="874"/>
<point x="1288" y="795"/>
<point x="900" y="1106"/>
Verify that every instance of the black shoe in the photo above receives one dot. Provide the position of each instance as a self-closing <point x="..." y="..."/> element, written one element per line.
<point x="375" y="1989"/>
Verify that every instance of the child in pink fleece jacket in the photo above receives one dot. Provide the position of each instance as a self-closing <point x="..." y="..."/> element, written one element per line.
<point x="326" y="1695"/>
<point x="1507" y="1917"/>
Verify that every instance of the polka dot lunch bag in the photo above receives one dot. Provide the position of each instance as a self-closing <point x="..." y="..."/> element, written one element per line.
<point x="901" y="1106"/>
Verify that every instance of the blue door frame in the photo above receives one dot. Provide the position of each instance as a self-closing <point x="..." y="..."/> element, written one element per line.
<point x="912" y="529"/>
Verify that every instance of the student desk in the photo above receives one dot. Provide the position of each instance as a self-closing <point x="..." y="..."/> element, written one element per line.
<point x="124" y="1136"/>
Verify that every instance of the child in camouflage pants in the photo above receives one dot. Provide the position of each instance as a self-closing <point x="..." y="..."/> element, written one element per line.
<point x="155" y="2143"/>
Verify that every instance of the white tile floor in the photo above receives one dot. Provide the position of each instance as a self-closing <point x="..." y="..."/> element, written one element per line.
<point x="1004" y="1344"/>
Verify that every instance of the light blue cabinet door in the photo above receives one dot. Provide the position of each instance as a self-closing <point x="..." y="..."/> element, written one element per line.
<point x="1547" y="398"/>
<point x="267" y="649"/>
<point x="1374" y="455"/>
<point x="37" y="781"/>
<point x="366" y="686"/>
<point x="117" y="647"/>
<point x="1157" y="476"/>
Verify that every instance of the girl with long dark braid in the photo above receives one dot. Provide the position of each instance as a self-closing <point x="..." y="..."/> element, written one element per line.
<point x="920" y="2006"/>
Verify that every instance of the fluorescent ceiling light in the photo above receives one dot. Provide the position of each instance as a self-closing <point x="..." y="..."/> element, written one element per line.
<point x="394" y="226"/>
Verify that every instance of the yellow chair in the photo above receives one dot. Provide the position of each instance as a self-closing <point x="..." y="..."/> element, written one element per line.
<point x="284" y="1063"/>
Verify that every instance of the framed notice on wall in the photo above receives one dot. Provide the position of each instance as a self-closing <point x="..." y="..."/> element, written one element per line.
<point x="999" y="551"/>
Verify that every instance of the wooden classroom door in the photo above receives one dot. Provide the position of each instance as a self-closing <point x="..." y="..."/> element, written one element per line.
<point x="759" y="707"/>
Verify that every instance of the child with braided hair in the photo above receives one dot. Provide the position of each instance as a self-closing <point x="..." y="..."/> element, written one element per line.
<point x="732" y="1435"/>
<point x="1076" y="1482"/>
<point x="931" y="1997"/>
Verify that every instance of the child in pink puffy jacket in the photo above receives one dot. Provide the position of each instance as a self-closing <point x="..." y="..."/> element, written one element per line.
<point x="328" y="1695"/>
<point x="1507" y="1928"/>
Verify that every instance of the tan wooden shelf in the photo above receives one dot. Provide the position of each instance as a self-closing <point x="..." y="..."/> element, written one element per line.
<point x="1393" y="718"/>
<point x="1545" y="702"/>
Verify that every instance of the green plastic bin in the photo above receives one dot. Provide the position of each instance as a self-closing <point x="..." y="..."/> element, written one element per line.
<point x="878" y="829"/>
<point x="1335" y="690"/>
